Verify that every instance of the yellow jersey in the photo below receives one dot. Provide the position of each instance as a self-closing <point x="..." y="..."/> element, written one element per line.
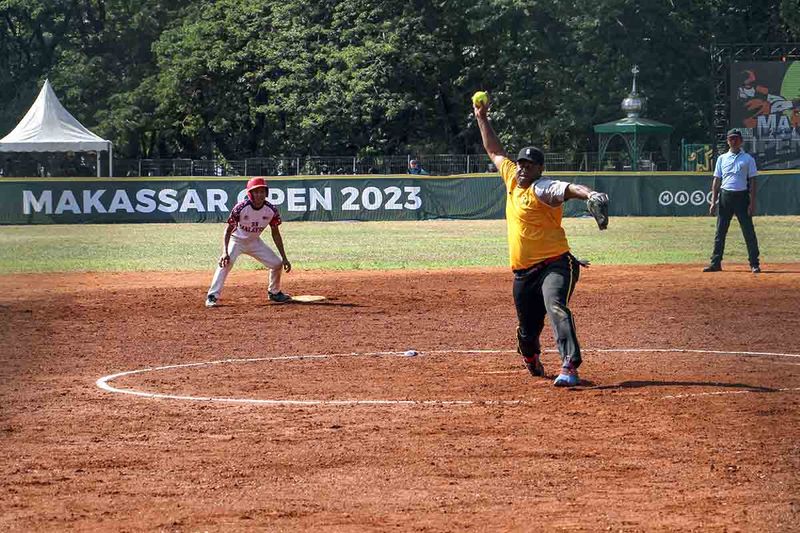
<point x="534" y="228"/>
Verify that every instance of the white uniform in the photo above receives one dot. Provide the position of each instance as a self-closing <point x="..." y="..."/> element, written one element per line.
<point x="248" y="223"/>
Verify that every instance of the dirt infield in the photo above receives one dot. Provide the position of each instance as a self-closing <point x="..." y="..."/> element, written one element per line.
<point x="457" y="438"/>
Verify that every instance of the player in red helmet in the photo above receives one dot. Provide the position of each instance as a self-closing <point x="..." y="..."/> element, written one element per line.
<point x="247" y="220"/>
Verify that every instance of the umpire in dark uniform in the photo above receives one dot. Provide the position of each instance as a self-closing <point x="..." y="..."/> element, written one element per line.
<point x="733" y="192"/>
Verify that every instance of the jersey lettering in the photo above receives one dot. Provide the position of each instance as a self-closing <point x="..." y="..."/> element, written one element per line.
<point x="249" y="223"/>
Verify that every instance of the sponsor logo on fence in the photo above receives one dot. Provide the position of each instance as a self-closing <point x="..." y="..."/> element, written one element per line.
<point x="681" y="198"/>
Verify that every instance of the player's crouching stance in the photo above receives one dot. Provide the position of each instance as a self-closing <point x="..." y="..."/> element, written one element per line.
<point x="247" y="220"/>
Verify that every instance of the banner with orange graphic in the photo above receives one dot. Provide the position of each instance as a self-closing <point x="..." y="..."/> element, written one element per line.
<point x="765" y="104"/>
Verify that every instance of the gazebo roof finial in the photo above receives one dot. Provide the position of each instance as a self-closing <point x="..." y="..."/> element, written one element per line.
<point x="633" y="104"/>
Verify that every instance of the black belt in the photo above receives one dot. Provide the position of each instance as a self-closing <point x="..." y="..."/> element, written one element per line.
<point x="522" y="272"/>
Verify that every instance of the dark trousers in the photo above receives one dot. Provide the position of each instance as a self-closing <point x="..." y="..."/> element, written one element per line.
<point x="544" y="291"/>
<point x="734" y="203"/>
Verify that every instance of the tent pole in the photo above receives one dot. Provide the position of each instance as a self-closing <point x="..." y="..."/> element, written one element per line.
<point x="110" y="161"/>
<point x="98" y="163"/>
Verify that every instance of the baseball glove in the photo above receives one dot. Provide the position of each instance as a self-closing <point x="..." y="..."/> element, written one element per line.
<point x="597" y="204"/>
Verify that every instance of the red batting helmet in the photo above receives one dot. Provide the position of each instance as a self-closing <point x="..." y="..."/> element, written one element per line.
<point x="255" y="183"/>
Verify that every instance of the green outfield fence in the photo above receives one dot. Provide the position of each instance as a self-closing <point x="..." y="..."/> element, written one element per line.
<point x="391" y="197"/>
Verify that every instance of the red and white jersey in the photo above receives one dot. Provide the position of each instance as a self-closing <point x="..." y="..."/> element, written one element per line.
<point x="249" y="222"/>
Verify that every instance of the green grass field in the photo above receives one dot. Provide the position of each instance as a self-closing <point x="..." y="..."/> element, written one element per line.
<point x="378" y="245"/>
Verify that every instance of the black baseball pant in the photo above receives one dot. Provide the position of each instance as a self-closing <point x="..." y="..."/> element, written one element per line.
<point x="544" y="290"/>
<point x="735" y="203"/>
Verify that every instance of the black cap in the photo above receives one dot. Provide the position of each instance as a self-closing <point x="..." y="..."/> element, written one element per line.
<point x="532" y="154"/>
<point x="735" y="132"/>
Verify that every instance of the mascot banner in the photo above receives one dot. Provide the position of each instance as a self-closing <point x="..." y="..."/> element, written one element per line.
<point x="765" y="103"/>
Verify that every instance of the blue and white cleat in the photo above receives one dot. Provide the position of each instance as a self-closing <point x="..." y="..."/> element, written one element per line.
<point x="567" y="378"/>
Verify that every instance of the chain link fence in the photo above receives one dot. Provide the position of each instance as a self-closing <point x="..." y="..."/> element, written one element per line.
<point x="27" y="165"/>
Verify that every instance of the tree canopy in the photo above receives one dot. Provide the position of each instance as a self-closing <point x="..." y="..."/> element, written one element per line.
<point x="257" y="78"/>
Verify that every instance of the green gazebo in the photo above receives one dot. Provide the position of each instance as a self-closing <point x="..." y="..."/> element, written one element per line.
<point x="634" y="130"/>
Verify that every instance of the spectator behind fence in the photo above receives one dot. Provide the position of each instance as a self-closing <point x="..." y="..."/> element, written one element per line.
<point x="84" y="171"/>
<point x="69" y="166"/>
<point x="415" y="168"/>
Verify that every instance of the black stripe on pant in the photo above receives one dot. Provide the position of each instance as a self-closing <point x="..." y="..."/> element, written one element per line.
<point x="545" y="292"/>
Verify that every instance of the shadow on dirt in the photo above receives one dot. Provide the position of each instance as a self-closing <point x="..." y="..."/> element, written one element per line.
<point x="294" y="303"/>
<point x="641" y="384"/>
<point x="324" y="303"/>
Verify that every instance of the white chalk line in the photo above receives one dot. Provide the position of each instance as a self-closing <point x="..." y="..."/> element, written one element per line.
<point x="103" y="382"/>
<point x="720" y="393"/>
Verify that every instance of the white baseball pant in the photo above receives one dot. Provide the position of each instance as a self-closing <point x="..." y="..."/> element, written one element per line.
<point x="257" y="249"/>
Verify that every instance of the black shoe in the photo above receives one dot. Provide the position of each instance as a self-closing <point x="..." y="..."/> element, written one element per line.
<point x="279" y="297"/>
<point x="534" y="366"/>
<point x="713" y="268"/>
<point x="211" y="301"/>
<point x="756" y="269"/>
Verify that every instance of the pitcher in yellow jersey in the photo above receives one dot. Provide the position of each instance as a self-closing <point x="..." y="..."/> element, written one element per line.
<point x="545" y="272"/>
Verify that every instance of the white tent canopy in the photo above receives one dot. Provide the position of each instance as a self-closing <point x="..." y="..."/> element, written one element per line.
<point x="48" y="127"/>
